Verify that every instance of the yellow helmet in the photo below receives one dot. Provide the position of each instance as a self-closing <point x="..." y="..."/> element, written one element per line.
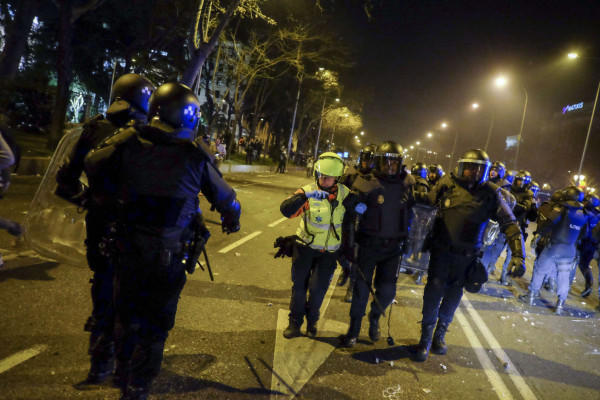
<point x="329" y="164"/>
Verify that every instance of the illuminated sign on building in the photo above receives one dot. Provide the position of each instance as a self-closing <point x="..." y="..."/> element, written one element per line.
<point x="572" y="107"/>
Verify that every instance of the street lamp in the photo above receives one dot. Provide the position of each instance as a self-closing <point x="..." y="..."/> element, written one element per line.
<point x="321" y="124"/>
<point x="587" y="138"/>
<point x="444" y="126"/>
<point x="475" y="106"/>
<point x="501" y="82"/>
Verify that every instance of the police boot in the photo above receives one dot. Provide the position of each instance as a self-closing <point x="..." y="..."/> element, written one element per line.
<point x="560" y="305"/>
<point x="374" y="331"/>
<point x="425" y="342"/>
<point x="311" y="329"/>
<point x="292" y="331"/>
<point x="438" y="344"/>
<point x="504" y="279"/>
<point x="529" y="297"/>
<point x="132" y="392"/>
<point x="353" y="331"/>
<point x="419" y="278"/>
<point x="349" y="291"/>
<point x="589" y="280"/>
<point x="102" y="360"/>
<point x="343" y="277"/>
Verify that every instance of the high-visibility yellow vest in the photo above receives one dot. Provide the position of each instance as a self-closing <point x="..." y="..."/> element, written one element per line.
<point x="321" y="226"/>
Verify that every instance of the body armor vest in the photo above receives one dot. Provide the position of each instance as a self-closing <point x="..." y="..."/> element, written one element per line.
<point x="569" y="227"/>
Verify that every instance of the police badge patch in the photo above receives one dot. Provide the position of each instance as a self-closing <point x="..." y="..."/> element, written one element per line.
<point x="380" y="199"/>
<point x="447" y="203"/>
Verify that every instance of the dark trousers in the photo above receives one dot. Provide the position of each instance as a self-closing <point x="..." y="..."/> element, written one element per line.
<point x="103" y="314"/>
<point x="444" y="288"/>
<point x="147" y="287"/>
<point x="379" y="259"/>
<point x="586" y="255"/>
<point x="312" y="271"/>
<point x="281" y="167"/>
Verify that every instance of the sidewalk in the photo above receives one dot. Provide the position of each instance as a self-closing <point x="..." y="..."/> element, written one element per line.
<point x="39" y="165"/>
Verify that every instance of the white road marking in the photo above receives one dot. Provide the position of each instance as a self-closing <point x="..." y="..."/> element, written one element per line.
<point x="239" y="242"/>
<point x="495" y="379"/>
<point x="272" y="224"/>
<point x="513" y="373"/>
<point x="26" y="253"/>
<point x="296" y="360"/>
<point x="20" y="357"/>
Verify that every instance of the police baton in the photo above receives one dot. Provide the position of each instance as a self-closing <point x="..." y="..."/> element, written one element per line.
<point x="370" y="288"/>
<point x="207" y="265"/>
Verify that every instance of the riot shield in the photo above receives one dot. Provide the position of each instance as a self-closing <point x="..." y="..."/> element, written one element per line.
<point x="54" y="227"/>
<point x="421" y="226"/>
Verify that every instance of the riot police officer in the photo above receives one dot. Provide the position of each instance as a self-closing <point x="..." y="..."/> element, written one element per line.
<point x="153" y="174"/>
<point x="525" y="206"/>
<point x="497" y="173"/>
<point x="131" y="93"/>
<point x="435" y="174"/>
<point x="465" y="201"/>
<point x="382" y="229"/>
<point x="363" y="167"/>
<point x="589" y="245"/>
<point x="565" y="223"/>
<point x="320" y="206"/>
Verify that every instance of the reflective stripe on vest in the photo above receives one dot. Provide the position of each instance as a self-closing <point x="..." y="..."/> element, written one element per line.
<point x="315" y="226"/>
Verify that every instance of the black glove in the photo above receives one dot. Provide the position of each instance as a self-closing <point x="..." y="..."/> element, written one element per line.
<point x="516" y="267"/>
<point x="230" y="219"/>
<point x="286" y="246"/>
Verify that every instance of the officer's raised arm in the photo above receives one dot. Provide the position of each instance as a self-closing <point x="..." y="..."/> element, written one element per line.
<point x="514" y="237"/>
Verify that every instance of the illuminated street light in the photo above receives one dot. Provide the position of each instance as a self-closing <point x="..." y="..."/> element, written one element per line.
<point x="356" y="137"/>
<point x="500" y="82"/>
<point x="475" y="105"/>
<point x="418" y="143"/>
<point x="487" y="141"/>
<point x="587" y="138"/>
<point x="338" y="100"/>
<point x="429" y="134"/>
<point x="445" y="125"/>
<point x="412" y="147"/>
<point x="362" y="133"/>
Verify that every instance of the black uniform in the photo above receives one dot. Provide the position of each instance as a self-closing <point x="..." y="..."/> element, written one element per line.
<point x="455" y="246"/>
<point x="587" y="248"/>
<point x="380" y="236"/>
<point x="154" y="176"/>
<point x="101" y="323"/>
<point x="523" y="211"/>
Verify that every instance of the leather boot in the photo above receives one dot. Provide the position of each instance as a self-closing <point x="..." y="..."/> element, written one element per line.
<point x="589" y="280"/>
<point x="292" y="331"/>
<point x="349" y="291"/>
<point x="552" y="285"/>
<point x="102" y="360"/>
<point x="425" y="342"/>
<point x="529" y="297"/>
<point x="438" y="344"/>
<point x="560" y="305"/>
<point x="311" y="329"/>
<point x="121" y="375"/>
<point x="343" y="277"/>
<point x="134" y="393"/>
<point x="353" y="331"/>
<point x="374" y="331"/>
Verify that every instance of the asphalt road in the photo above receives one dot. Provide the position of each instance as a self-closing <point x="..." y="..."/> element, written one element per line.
<point x="227" y="342"/>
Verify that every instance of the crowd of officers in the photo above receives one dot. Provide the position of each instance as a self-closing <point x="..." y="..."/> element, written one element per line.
<point x="366" y="219"/>
<point x="145" y="169"/>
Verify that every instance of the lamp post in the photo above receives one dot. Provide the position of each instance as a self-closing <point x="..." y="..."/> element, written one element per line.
<point x="444" y="126"/>
<point x="487" y="141"/>
<point x="500" y="82"/>
<point x="320" y="125"/>
<point x="587" y="138"/>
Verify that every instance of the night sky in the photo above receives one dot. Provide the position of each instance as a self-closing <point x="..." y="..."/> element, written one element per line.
<point x="423" y="62"/>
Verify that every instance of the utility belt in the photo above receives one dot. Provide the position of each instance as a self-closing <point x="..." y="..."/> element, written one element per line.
<point x="374" y="241"/>
<point x="466" y="252"/>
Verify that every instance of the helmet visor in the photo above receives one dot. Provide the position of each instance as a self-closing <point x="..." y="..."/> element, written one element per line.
<point x="473" y="171"/>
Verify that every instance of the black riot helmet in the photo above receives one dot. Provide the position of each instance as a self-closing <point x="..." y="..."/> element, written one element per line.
<point x="134" y="89"/>
<point x="419" y="169"/>
<point x="573" y="196"/>
<point x="510" y="176"/>
<point x="366" y="157"/>
<point x="388" y="159"/>
<point x="175" y="105"/>
<point x="534" y="187"/>
<point x="435" y="173"/>
<point x="474" y="167"/>
<point x="522" y="180"/>
<point x="500" y="169"/>
<point x="592" y="201"/>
